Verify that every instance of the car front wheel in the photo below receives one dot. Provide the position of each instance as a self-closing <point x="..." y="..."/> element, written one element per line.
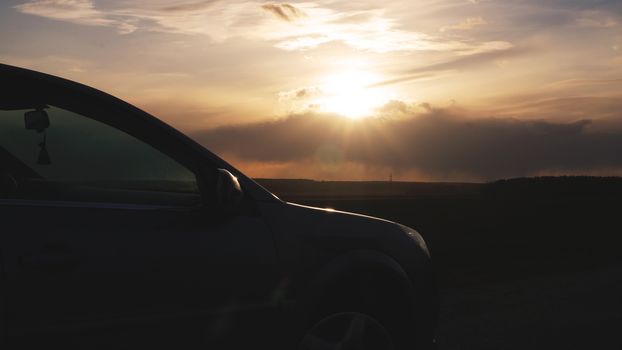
<point x="347" y="331"/>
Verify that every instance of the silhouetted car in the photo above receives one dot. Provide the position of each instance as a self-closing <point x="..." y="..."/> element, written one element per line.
<point x="119" y="232"/>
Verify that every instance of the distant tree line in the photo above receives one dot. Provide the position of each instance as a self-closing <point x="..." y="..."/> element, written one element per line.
<point x="556" y="186"/>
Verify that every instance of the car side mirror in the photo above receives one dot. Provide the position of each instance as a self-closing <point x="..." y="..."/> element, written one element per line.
<point x="228" y="191"/>
<point x="36" y="120"/>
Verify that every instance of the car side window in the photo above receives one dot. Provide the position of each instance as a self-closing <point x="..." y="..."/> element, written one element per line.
<point x="55" y="154"/>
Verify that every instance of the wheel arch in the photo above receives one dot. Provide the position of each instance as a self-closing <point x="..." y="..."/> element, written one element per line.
<point x="340" y="278"/>
<point x="334" y="288"/>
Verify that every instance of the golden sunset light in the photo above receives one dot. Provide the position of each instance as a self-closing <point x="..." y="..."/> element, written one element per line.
<point x="429" y="82"/>
<point x="348" y="93"/>
<point x="311" y="174"/>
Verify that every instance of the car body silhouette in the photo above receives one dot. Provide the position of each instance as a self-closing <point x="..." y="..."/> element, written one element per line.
<point x="120" y="232"/>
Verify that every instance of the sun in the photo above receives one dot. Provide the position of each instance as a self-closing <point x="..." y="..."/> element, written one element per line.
<point x="348" y="93"/>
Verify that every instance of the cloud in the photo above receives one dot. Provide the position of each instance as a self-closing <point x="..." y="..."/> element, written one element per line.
<point x="596" y="19"/>
<point x="284" y="11"/>
<point x="467" y="24"/>
<point x="602" y="109"/>
<point x="189" y="7"/>
<point x="492" y="53"/>
<point x="305" y="26"/>
<point x="583" y="82"/>
<point x="371" y="31"/>
<point x="75" y="11"/>
<point x="436" y="143"/>
<point x="301" y="99"/>
<point x="300" y="93"/>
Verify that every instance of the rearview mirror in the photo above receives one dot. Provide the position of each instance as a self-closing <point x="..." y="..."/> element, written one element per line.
<point x="36" y="120"/>
<point x="228" y="191"/>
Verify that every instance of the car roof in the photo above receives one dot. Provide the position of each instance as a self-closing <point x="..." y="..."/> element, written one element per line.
<point x="25" y="78"/>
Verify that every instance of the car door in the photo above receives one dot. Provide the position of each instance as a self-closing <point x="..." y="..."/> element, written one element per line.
<point x="107" y="241"/>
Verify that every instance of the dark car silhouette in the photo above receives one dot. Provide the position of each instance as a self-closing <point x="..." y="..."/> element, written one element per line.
<point x="119" y="232"/>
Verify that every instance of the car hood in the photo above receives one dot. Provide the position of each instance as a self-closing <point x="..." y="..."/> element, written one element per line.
<point x="306" y="234"/>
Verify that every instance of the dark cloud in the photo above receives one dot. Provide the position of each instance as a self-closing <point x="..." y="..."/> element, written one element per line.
<point x="189" y="6"/>
<point x="284" y="11"/>
<point x="300" y="94"/>
<point x="541" y="106"/>
<point x="430" y="141"/>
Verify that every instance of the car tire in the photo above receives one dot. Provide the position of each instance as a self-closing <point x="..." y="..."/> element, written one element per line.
<point x="348" y="331"/>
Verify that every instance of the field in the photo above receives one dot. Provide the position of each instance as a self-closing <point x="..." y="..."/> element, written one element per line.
<point x="523" y="263"/>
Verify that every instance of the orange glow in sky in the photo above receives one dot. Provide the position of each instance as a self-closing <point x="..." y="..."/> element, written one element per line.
<point x="428" y="84"/>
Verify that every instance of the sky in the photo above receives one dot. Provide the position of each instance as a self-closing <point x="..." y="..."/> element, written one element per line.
<point x="425" y="90"/>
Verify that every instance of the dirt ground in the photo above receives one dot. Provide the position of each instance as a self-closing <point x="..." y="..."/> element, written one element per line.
<point x="521" y="264"/>
<point x="581" y="310"/>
